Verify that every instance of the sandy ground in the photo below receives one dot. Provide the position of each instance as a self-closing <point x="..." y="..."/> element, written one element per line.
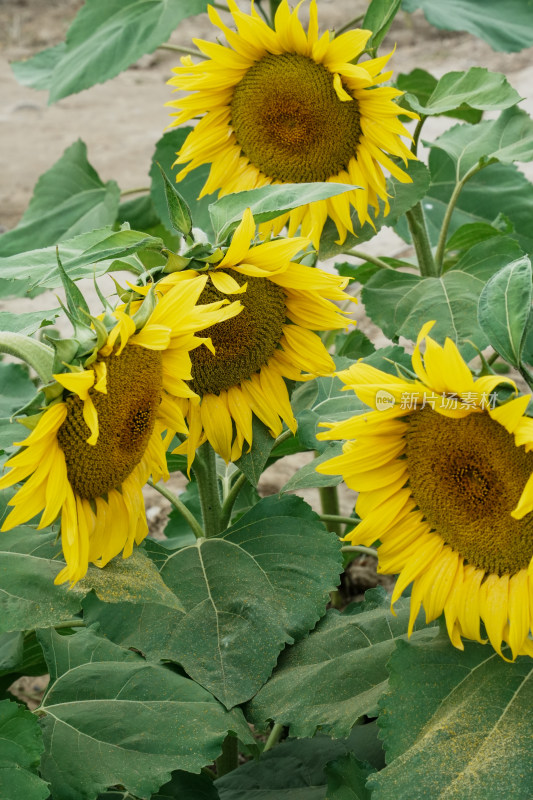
<point x="122" y="120"/>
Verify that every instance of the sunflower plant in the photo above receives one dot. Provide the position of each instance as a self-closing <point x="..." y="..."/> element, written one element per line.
<point x="212" y="359"/>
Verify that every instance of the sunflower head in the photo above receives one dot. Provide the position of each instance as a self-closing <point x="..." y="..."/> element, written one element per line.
<point x="288" y="105"/>
<point x="271" y="340"/>
<point x="113" y="411"/>
<point x="445" y="476"/>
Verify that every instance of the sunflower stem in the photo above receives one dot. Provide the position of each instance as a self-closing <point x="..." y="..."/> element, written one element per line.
<point x="70" y="623"/>
<point x="205" y="471"/>
<point x="229" y="759"/>
<point x="441" y="244"/>
<point x="176" y="48"/>
<point x="229" y="502"/>
<point x="419" y="232"/>
<point x="526" y="374"/>
<point x="179" y="506"/>
<point x="351" y="521"/>
<point x="329" y="502"/>
<point x="359" y="548"/>
<point x="137" y="190"/>
<point x="273" y="737"/>
<point x="416" y="134"/>
<point x="354" y="251"/>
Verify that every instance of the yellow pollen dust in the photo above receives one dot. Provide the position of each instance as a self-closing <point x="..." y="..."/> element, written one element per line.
<point x="466" y="476"/>
<point x="126" y="417"/>
<point x="244" y="343"/>
<point x="289" y="121"/>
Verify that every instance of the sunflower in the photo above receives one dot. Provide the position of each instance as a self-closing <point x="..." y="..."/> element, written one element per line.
<point x="445" y="484"/>
<point x="94" y="448"/>
<point x="285" y="106"/>
<point x="271" y="339"/>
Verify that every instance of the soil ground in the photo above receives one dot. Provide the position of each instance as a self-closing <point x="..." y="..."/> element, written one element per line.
<point x="121" y="121"/>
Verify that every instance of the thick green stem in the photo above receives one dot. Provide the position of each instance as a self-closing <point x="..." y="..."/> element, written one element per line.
<point x="367" y="257"/>
<point x="229" y="760"/>
<point x="273" y="737"/>
<point x="206" y="474"/>
<point x="329" y="502"/>
<point x="229" y="502"/>
<point x="179" y="506"/>
<point x="359" y="548"/>
<point x="70" y="623"/>
<point x="351" y="521"/>
<point x="419" y="233"/>
<point x="416" y="134"/>
<point x="526" y="374"/>
<point x="441" y="244"/>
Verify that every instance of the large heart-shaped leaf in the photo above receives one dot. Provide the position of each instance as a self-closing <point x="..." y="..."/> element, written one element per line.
<point x="505" y="307"/>
<point x="455" y="724"/>
<point x="67" y="200"/>
<point x="112" y="718"/>
<point x="478" y="88"/>
<point x="263" y="583"/>
<point x="338" y="673"/>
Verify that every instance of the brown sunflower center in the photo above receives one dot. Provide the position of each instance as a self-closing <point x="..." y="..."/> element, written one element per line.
<point x="126" y="417"/>
<point x="289" y="121"/>
<point x="244" y="343"/>
<point x="466" y="476"/>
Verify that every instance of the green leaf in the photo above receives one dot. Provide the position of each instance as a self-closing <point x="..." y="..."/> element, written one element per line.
<point x="402" y="197"/>
<point x="504" y="309"/>
<point x="128" y="580"/>
<point x="337" y="674"/>
<point x="17" y="388"/>
<point x="472" y="234"/>
<point x="347" y="779"/>
<point x="26" y="324"/>
<point x="353" y="345"/>
<point x="190" y="187"/>
<point x="487" y="257"/>
<point x="507" y="139"/>
<point x="88" y="254"/>
<point x="482" y="199"/>
<point x="245" y="590"/>
<point x="68" y="199"/>
<point x="186" y="786"/>
<point x="455" y="724"/>
<point x="297" y="769"/>
<point x="308" y="478"/>
<point x="20" y="750"/>
<point x="25" y="658"/>
<point x="378" y="19"/>
<point x="111" y="718"/>
<point x="422" y="84"/>
<point x="402" y="303"/>
<point x="477" y="88"/>
<point x="28" y="597"/>
<point x="36" y="72"/>
<point x="254" y="462"/>
<point x="505" y="26"/>
<point x="109" y="35"/>
<point x="178" y="210"/>
<point x="268" y="202"/>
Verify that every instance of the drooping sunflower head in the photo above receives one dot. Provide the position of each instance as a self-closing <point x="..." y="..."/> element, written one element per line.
<point x="445" y="477"/>
<point x="286" y="105"/>
<point x="107" y="430"/>
<point x="272" y="339"/>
